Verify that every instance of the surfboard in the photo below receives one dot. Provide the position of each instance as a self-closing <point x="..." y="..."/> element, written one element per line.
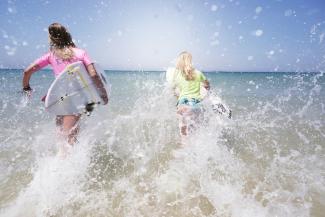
<point x="74" y="92"/>
<point x="217" y="105"/>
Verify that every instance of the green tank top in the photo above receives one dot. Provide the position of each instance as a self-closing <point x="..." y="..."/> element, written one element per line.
<point x="189" y="89"/>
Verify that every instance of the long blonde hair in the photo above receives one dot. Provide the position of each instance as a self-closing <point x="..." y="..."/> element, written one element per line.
<point x="184" y="64"/>
<point x="61" y="41"/>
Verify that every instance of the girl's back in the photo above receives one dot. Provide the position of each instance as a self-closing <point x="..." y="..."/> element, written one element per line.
<point x="189" y="88"/>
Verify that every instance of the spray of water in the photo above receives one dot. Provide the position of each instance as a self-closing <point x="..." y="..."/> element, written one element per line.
<point x="130" y="160"/>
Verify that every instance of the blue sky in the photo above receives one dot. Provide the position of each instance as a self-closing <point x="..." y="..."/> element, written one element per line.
<point x="230" y="35"/>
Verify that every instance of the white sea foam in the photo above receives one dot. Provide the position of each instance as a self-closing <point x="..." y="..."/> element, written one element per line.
<point x="129" y="160"/>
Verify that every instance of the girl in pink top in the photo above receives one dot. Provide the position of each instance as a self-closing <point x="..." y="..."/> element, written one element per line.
<point x="62" y="53"/>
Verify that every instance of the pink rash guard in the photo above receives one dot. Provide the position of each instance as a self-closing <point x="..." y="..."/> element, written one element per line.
<point x="58" y="64"/>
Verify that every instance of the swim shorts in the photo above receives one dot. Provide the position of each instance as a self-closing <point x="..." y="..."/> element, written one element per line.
<point x="190" y="102"/>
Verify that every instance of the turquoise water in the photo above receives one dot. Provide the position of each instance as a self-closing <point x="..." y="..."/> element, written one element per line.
<point x="268" y="160"/>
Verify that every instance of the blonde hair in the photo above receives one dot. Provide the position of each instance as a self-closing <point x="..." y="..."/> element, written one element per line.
<point x="63" y="53"/>
<point x="184" y="65"/>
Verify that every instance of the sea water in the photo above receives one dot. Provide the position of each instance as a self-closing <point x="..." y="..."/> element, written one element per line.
<point x="268" y="160"/>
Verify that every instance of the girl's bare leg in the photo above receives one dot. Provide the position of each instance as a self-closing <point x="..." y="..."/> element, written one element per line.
<point x="183" y="111"/>
<point x="69" y="127"/>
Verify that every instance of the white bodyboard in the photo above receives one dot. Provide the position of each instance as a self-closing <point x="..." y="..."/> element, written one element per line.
<point x="73" y="89"/>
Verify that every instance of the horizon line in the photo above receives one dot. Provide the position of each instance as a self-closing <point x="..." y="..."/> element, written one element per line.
<point x="205" y="71"/>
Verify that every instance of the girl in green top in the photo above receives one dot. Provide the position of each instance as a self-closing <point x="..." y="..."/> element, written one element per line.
<point x="188" y="80"/>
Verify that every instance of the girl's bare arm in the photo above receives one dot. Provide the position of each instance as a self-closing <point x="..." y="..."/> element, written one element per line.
<point x="98" y="82"/>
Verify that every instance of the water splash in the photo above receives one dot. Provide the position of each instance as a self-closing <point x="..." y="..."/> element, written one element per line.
<point x="129" y="161"/>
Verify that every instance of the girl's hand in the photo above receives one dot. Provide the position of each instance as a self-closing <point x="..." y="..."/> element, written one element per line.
<point x="27" y="91"/>
<point x="206" y="84"/>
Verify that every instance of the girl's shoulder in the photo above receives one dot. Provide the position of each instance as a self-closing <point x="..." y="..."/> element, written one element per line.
<point x="177" y="73"/>
<point x="199" y="75"/>
<point x="197" y="72"/>
<point x="78" y="52"/>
